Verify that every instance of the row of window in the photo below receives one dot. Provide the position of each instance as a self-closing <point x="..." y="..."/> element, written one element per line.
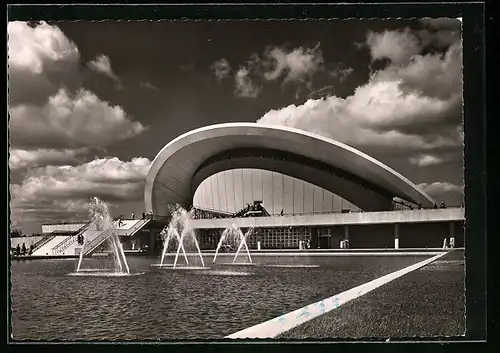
<point x="287" y="237"/>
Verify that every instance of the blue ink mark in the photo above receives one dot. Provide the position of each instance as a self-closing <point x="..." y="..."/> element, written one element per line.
<point x="322" y="307"/>
<point x="281" y="319"/>
<point x="304" y="312"/>
<point x="336" y="302"/>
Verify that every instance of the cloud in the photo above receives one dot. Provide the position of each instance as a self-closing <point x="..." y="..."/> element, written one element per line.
<point x="410" y="108"/>
<point x="398" y="46"/>
<point x="426" y="160"/>
<point x="54" y="125"/>
<point x="221" y="68"/>
<point x="433" y="75"/>
<point x="37" y="49"/>
<point x="377" y="115"/>
<point x="75" y="121"/>
<point x="341" y="74"/>
<point x="245" y="87"/>
<point x="149" y="85"/>
<point x="40" y="60"/>
<point x="102" y="64"/>
<point x="297" y="67"/>
<point x="48" y="108"/>
<point x="439" y="188"/>
<point x="21" y="159"/>
<point x="53" y="193"/>
<point x="299" y="64"/>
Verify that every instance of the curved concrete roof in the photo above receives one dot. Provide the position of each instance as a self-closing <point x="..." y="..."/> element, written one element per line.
<point x="183" y="163"/>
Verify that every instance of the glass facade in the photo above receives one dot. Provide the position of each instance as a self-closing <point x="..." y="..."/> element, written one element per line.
<point x="270" y="238"/>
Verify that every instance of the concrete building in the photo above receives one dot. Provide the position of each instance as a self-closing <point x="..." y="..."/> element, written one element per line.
<point x="310" y="188"/>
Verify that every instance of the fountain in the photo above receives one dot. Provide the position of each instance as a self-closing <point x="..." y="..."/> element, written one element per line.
<point x="233" y="235"/>
<point x="180" y="231"/>
<point x="101" y="222"/>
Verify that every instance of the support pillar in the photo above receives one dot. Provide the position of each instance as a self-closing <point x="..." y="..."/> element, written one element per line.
<point x="452" y="235"/>
<point x="152" y="239"/>
<point x="314" y="238"/>
<point x="346" y="235"/>
<point x="396" y="236"/>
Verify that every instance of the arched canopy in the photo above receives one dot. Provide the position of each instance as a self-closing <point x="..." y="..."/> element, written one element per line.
<point x="186" y="161"/>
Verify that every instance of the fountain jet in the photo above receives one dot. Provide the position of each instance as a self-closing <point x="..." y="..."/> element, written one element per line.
<point x="179" y="229"/>
<point x="233" y="235"/>
<point x="100" y="223"/>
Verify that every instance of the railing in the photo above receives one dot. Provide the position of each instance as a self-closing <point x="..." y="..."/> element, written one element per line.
<point x="131" y="231"/>
<point x="396" y="207"/>
<point x="70" y="240"/>
<point x="43" y="241"/>
<point x="98" y="240"/>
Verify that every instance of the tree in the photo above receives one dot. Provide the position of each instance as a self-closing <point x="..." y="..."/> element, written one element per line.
<point x="16" y="233"/>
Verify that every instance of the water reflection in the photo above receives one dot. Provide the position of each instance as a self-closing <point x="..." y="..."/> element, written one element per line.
<point x="163" y="304"/>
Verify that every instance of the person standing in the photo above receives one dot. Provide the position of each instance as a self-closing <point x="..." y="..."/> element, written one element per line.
<point x="133" y="215"/>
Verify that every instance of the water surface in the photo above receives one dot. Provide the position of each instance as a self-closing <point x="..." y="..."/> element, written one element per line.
<point x="164" y="304"/>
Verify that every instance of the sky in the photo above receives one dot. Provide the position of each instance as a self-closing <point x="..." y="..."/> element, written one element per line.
<point x="92" y="103"/>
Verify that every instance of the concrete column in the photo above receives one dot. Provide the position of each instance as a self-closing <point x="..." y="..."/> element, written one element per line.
<point x="396" y="236"/>
<point x="452" y="235"/>
<point x="346" y="234"/>
<point x="151" y="241"/>
<point x="314" y="238"/>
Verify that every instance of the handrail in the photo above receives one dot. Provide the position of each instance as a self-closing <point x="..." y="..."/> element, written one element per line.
<point x="213" y="210"/>
<point x="70" y="240"/>
<point x="66" y="243"/>
<point x="133" y="229"/>
<point x="43" y="241"/>
<point x="98" y="240"/>
<point x="407" y="209"/>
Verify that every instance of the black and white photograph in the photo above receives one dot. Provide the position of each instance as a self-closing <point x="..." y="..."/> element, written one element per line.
<point x="284" y="180"/>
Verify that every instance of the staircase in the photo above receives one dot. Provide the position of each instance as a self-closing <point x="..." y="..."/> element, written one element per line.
<point x="134" y="229"/>
<point x="61" y="248"/>
<point x="93" y="244"/>
<point x="46" y="248"/>
<point x="98" y="239"/>
<point x="43" y="241"/>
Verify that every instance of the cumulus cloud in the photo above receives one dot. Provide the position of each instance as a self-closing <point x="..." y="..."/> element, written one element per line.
<point x="245" y="87"/>
<point x="47" y="106"/>
<point x="21" y="159"/>
<point x="54" y="124"/>
<point x="441" y="188"/>
<point x="398" y="46"/>
<point x="221" y="68"/>
<point x="299" y="64"/>
<point x="341" y="74"/>
<point x="53" y="193"/>
<point x="77" y="121"/>
<point x="40" y="60"/>
<point x="37" y="49"/>
<point x="296" y="66"/>
<point x="102" y="64"/>
<point x="377" y="115"/>
<point x="426" y="160"/>
<point x="412" y="106"/>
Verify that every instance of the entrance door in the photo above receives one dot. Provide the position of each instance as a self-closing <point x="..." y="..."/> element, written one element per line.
<point x="324" y="241"/>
